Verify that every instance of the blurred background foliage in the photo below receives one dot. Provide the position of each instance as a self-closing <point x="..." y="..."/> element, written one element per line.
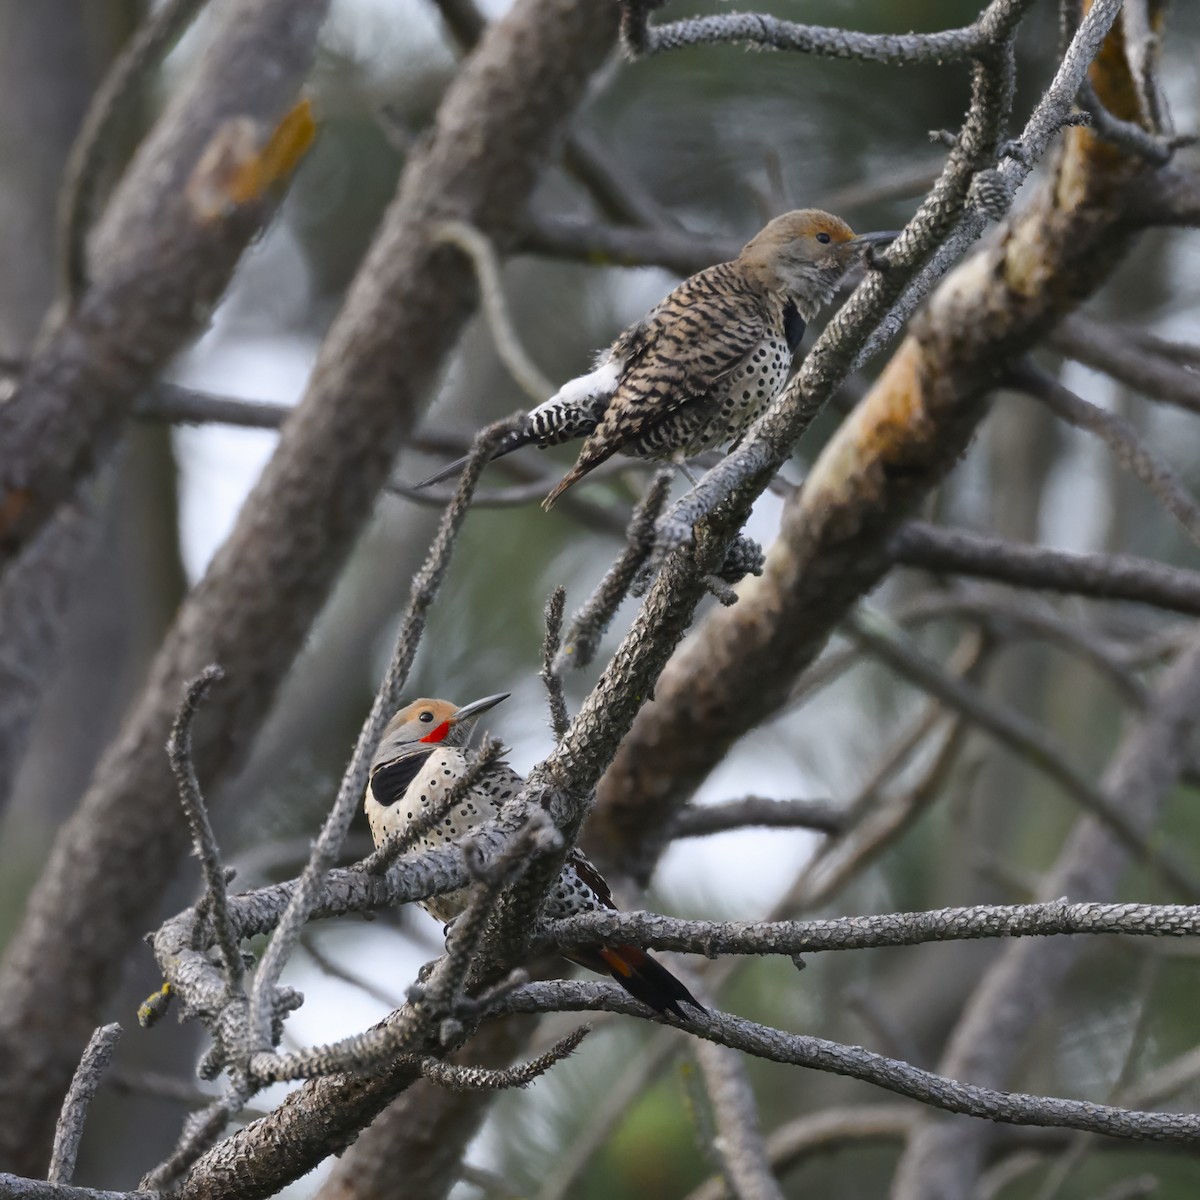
<point x="721" y="138"/>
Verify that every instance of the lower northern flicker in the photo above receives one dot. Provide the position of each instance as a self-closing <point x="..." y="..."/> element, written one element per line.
<point x="704" y="363"/>
<point x="420" y="757"/>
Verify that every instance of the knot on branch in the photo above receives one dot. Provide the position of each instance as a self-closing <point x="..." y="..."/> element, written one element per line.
<point x="744" y="557"/>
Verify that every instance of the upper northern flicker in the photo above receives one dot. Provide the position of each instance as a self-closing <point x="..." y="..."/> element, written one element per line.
<point x="696" y="371"/>
<point x="419" y="758"/>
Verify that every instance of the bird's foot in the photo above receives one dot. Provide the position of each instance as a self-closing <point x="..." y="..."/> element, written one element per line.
<point x="426" y="970"/>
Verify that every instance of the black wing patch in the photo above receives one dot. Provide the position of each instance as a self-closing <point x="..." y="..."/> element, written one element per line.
<point x="390" y="780"/>
<point x="793" y="325"/>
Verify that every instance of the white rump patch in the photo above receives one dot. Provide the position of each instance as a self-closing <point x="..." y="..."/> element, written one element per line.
<point x="600" y="382"/>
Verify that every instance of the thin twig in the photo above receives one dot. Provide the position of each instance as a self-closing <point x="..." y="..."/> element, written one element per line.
<point x="701" y="820"/>
<point x="1080" y="1146"/>
<point x="615" y="193"/>
<point x="331" y="967"/>
<point x="1131" y="453"/>
<point x="1136" y="1188"/>
<point x="1049" y="919"/>
<point x="592" y="619"/>
<point x="179" y="750"/>
<point x="463" y="1079"/>
<point x="1127" y="359"/>
<point x="1012" y="617"/>
<point x="887" y="643"/>
<point x="1102" y="576"/>
<point x="491" y="294"/>
<point x="739" y="1142"/>
<point x="611" y="1106"/>
<point x="160" y="1086"/>
<point x="69" y="1130"/>
<point x="551" y="676"/>
<point x="995" y="23"/>
<point x="200" y="1133"/>
<point x="824" y="1131"/>
<point x="902" y="1078"/>
<point x="1023" y="982"/>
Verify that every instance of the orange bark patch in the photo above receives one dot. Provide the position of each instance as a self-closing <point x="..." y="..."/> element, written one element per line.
<point x="237" y="169"/>
<point x="882" y="428"/>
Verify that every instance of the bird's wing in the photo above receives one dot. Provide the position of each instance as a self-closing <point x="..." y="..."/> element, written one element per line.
<point x="693" y="340"/>
<point x="590" y="876"/>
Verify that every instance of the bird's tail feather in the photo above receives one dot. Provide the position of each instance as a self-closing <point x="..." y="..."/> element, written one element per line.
<point x="643" y="977"/>
<point x="511" y="442"/>
<point x="574" y="475"/>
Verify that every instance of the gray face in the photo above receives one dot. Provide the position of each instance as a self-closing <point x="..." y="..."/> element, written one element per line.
<point x="810" y="252"/>
<point x="812" y="281"/>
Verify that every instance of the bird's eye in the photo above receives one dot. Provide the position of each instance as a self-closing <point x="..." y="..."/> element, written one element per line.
<point x="823" y="238"/>
<point x="427" y="717"/>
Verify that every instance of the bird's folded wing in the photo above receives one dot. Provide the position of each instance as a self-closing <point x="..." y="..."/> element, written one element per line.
<point x="701" y="333"/>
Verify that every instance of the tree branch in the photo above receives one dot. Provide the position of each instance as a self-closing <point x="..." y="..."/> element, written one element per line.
<point x="656" y="932"/>
<point x="701" y="820"/>
<point x="69" y="1130"/>
<point x="758" y="30"/>
<point x="1101" y="576"/>
<point x="1130" y="452"/>
<point x="938" y="1091"/>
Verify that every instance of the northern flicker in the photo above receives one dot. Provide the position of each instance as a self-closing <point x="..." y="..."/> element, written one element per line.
<point x="699" y="368"/>
<point x="420" y="756"/>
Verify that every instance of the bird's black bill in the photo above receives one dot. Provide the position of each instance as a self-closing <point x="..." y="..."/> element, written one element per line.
<point x="476" y="707"/>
